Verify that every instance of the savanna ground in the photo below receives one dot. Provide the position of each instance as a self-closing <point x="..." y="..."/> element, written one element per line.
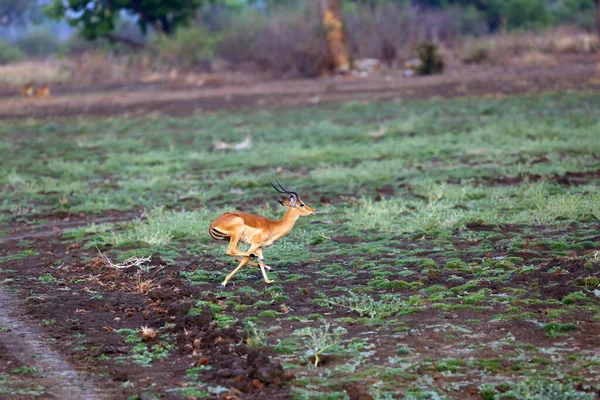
<point x="455" y="253"/>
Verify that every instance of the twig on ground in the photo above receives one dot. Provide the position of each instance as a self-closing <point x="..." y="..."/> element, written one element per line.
<point x="129" y="263"/>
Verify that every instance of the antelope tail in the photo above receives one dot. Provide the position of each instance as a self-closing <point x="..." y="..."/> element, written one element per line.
<point x="216" y="234"/>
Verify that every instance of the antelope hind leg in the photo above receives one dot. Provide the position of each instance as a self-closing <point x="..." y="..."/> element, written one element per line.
<point x="235" y="271"/>
<point x="259" y="253"/>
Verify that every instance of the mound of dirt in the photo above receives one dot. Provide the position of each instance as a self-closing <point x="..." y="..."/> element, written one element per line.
<point x="232" y="363"/>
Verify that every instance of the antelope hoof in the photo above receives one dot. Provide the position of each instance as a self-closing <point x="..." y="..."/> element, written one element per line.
<point x="267" y="267"/>
<point x="269" y="281"/>
<point x="224" y="283"/>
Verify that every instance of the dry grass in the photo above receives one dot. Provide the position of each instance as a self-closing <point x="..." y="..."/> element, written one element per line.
<point x="148" y="334"/>
<point x="531" y="48"/>
<point x="272" y="51"/>
<point x="35" y="72"/>
<point x="129" y="263"/>
<point x="144" y="286"/>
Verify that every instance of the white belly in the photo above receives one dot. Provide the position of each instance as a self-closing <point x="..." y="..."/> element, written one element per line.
<point x="246" y="239"/>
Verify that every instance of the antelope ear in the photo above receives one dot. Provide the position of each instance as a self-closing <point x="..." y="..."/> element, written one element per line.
<point x="293" y="201"/>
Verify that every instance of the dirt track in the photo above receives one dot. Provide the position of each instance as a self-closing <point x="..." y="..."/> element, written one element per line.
<point x="172" y="98"/>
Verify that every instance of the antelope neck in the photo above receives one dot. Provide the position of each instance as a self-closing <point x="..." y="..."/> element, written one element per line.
<point x="285" y="224"/>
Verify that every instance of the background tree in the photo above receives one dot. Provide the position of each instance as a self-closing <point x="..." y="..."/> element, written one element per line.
<point x="597" y="15"/>
<point x="96" y="19"/>
<point x="18" y="12"/>
<point x="498" y="13"/>
<point x="336" y="35"/>
<point x="597" y="3"/>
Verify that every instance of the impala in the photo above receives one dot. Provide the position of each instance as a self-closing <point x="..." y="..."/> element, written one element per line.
<point x="27" y="91"/>
<point x="257" y="231"/>
<point x="42" y="91"/>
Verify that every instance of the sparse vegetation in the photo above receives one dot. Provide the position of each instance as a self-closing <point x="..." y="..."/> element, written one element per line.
<point x="320" y="340"/>
<point x="457" y="251"/>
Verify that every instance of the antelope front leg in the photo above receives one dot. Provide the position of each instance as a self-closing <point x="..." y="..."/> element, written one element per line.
<point x="253" y="263"/>
<point x="259" y="253"/>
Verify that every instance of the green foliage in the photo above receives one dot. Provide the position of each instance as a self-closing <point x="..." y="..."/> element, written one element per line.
<point x="573" y="297"/>
<point x="525" y="14"/>
<point x="9" y="53"/>
<point x="24" y="370"/>
<point x="254" y="335"/>
<point x="365" y="305"/>
<point x="540" y="390"/>
<point x="517" y="14"/>
<point x="19" y="12"/>
<point x="577" y="12"/>
<point x="267" y="314"/>
<point x="530" y="203"/>
<point x="39" y="42"/>
<point x="554" y="329"/>
<point x="46" y="279"/>
<point x="161" y="227"/>
<point x="189" y="47"/>
<point x="319" y="340"/>
<point x="98" y="19"/>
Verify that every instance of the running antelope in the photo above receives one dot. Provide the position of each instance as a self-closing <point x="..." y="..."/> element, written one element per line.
<point x="257" y="231"/>
<point x="27" y="91"/>
<point x="42" y="91"/>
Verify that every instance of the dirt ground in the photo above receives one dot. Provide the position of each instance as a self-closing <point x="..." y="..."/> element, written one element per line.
<point x="572" y="72"/>
<point x="64" y="310"/>
<point x="86" y="292"/>
<point x="67" y="303"/>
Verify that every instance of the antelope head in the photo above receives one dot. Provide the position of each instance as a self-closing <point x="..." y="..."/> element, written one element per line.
<point x="295" y="203"/>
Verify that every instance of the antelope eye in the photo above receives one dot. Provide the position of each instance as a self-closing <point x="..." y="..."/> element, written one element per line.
<point x="301" y="205"/>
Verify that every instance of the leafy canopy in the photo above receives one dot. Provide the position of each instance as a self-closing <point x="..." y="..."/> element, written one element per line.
<point x="98" y="18"/>
<point x="13" y="12"/>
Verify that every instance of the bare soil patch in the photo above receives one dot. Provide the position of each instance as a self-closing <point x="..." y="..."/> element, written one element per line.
<point x="88" y="302"/>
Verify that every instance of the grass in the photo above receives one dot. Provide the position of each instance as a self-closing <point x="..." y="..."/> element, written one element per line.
<point x="462" y="245"/>
<point x="365" y="305"/>
<point x="121" y="164"/>
<point x="320" y="340"/>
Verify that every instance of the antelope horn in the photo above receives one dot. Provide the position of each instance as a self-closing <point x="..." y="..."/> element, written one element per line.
<point x="281" y="189"/>
<point x="276" y="188"/>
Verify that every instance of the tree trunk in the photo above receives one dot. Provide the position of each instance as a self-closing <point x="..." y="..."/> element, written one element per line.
<point x="336" y="35"/>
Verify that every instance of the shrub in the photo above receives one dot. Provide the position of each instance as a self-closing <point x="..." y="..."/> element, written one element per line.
<point x="76" y="44"/>
<point x="526" y="14"/>
<point x="479" y="54"/>
<point x="239" y="36"/>
<point x="287" y="43"/>
<point x="403" y="26"/>
<point x="575" y="12"/>
<point x="189" y="48"/>
<point x="9" y="53"/>
<point x="431" y="60"/>
<point x="39" y="42"/>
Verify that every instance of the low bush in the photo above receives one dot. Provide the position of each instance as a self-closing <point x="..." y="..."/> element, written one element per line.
<point x="431" y="59"/>
<point x="286" y="43"/>
<point x="39" y="43"/>
<point x="9" y="53"/>
<point x="188" y="48"/>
